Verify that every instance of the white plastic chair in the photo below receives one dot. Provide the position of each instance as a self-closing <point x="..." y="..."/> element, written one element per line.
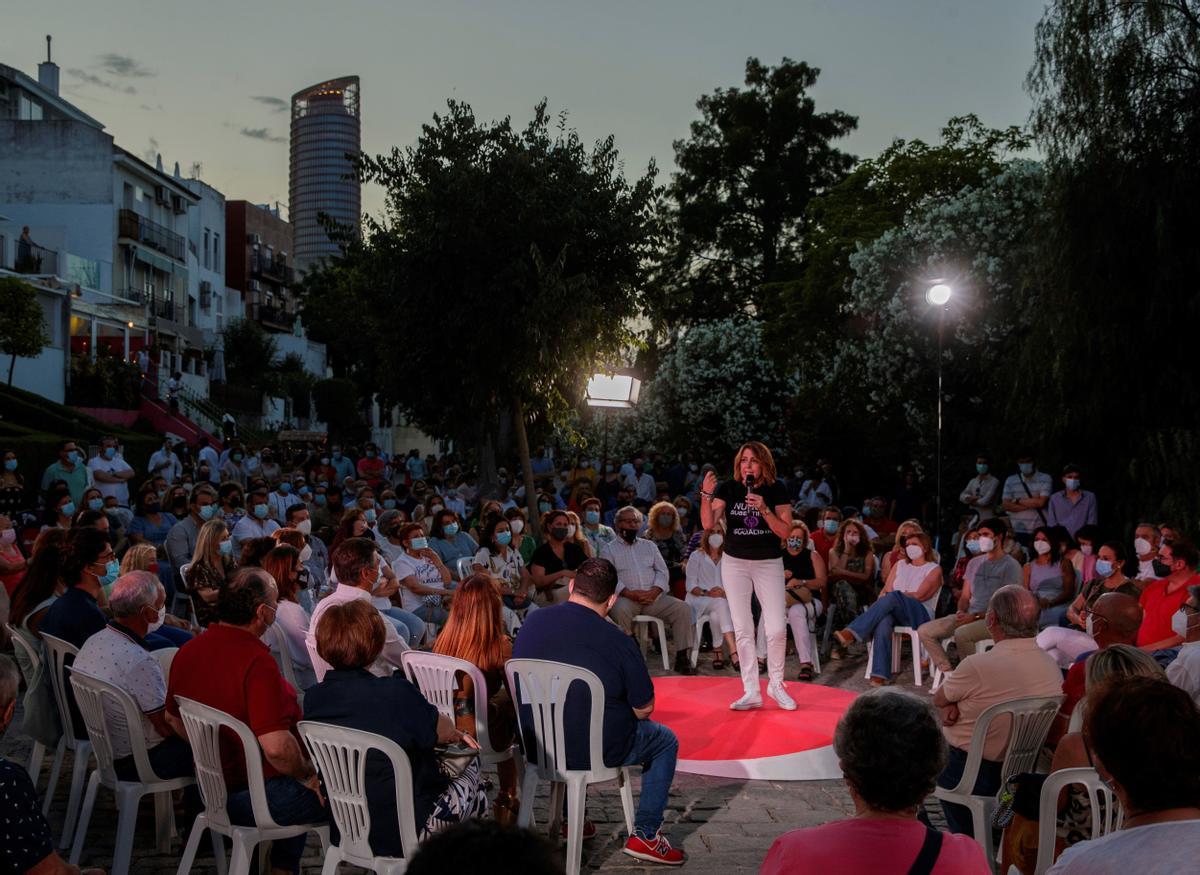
<point x="1105" y="818"/>
<point x="341" y="758"/>
<point x="166" y="658"/>
<point x="180" y="595"/>
<point x="700" y="623"/>
<point x="204" y="727"/>
<point x="464" y="566"/>
<point x="1075" y="724"/>
<point x="542" y="687"/>
<point x="91" y="693"/>
<point x="1031" y="719"/>
<point x="983" y="645"/>
<point x="38" y="752"/>
<point x="57" y="651"/>
<point x="899" y="633"/>
<point x="662" y="636"/>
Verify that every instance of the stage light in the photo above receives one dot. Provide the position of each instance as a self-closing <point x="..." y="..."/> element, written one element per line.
<point x="938" y="294"/>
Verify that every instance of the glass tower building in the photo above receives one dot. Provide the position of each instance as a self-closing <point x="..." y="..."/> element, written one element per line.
<point x="326" y="127"/>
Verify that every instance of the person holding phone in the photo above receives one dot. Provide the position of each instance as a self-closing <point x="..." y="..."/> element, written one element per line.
<point x="758" y="518"/>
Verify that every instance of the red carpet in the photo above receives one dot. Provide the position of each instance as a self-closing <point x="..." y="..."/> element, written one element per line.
<point x="768" y="743"/>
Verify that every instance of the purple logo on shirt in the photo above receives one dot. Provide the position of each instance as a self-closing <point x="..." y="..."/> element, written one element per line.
<point x="750" y="521"/>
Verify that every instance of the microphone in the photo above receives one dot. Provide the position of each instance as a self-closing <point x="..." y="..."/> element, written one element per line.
<point x="749" y="483"/>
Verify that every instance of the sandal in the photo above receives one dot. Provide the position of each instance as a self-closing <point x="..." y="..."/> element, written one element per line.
<point x="735" y="665"/>
<point x="718" y="663"/>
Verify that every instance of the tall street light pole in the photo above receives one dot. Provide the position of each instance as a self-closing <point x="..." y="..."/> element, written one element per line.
<point x="938" y="295"/>
<point x="619" y="390"/>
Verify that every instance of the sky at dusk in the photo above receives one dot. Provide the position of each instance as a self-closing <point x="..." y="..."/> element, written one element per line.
<point x="209" y="82"/>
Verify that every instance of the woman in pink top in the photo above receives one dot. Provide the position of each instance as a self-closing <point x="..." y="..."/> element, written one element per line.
<point x="891" y="749"/>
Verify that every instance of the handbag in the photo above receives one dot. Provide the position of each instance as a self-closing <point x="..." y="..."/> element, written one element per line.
<point x="798" y="595"/>
<point x="927" y="857"/>
<point x="453" y="759"/>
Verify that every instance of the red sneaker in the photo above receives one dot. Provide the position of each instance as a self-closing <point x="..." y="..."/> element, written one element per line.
<point x="654" y="850"/>
<point x="589" y="829"/>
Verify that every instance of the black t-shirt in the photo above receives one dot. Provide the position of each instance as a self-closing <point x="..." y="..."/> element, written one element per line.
<point x="747" y="535"/>
<point x="573" y="557"/>
<point x="800" y="564"/>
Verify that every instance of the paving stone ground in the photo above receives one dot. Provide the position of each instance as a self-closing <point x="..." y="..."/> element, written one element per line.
<point x="724" y="825"/>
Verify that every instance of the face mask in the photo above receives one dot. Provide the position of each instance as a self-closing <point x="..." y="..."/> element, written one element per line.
<point x="866" y="510"/>
<point x="986" y="544"/>
<point x="261" y="511"/>
<point x="591" y="517"/>
<point x="225" y="548"/>
<point x="112" y="570"/>
<point x="337" y="455"/>
<point x="1085" y="549"/>
<point x="370" y="515"/>
<point x="160" y="617"/>
<point x="370" y="454"/>
<point x="304" y="527"/>
<point x="306" y="553"/>
<point x="503" y="538"/>
<point x="67" y="509"/>
<point x="914" y="551"/>
<point x="73" y="457"/>
<point x="10" y="464"/>
<point x="237" y="457"/>
<point x="716" y="540"/>
<point x="1026" y="468"/>
<point x="544" y="506"/>
<point x="1041" y="547"/>
<point x="418" y="544"/>
<point x="795" y="543"/>
<point x="1104" y="568"/>
<point x="285" y="487"/>
<point x="437" y="508"/>
<point x="110" y="452"/>
<point x="973" y="546"/>
<point x="559" y="533"/>
<point x="95" y="503"/>
<point x="1141" y="546"/>
<point x="851" y="538"/>
<point x="389" y="503"/>
<point x="666" y="520"/>
<point x="324" y="460"/>
<point x="608" y="469"/>
<point x="320" y="499"/>
<point x="517" y="526"/>
<point x="571" y="530"/>
<point x="830" y="526"/>
<point x="1072" y="483"/>
<point x="450" y="529"/>
<point x="207" y="512"/>
<point x="628" y="535"/>
<point x="981" y="469"/>
<point x="1179" y="623"/>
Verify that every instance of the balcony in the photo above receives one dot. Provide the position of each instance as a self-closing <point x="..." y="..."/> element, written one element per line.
<point x="273" y="316"/>
<point x="265" y="268"/>
<point x="166" y="308"/>
<point x="134" y="227"/>
<point x="131" y="295"/>
<point x="35" y="260"/>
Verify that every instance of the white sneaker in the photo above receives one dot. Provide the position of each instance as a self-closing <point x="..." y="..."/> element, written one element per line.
<point x="781" y="697"/>
<point x="747" y="702"/>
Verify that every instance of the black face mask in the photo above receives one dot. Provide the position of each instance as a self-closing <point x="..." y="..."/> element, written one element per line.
<point x="559" y="533"/>
<point x="629" y="535"/>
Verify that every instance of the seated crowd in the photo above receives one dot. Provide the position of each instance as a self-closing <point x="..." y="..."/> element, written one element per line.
<point x="293" y="585"/>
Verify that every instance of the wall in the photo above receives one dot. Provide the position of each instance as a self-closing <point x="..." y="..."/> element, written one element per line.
<point x="313" y="354"/>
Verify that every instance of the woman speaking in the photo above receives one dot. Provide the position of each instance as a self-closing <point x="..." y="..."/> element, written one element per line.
<point x="758" y="518"/>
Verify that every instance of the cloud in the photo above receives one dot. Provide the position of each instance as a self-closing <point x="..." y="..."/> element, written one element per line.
<point x="123" y="65"/>
<point x="93" y="79"/>
<point x="277" y="104"/>
<point x="261" y="134"/>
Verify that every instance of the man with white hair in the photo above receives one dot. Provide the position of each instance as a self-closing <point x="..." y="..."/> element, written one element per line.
<point x="118" y="655"/>
<point x="642" y="586"/>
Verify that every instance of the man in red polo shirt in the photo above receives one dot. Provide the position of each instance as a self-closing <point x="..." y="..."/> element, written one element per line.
<point x="825" y="532"/>
<point x="1162" y="598"/>
<point x="229" y="668"/>
<point x="370" y="467"/>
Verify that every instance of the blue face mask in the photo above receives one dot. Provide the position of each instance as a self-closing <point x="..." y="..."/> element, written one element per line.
<point x="544" y="506"/>
<point x="112" y="570"/>
<point x="1104" y="568"/>
<point x="320" y="499"/>
<point x="110" y="452"/>
<point x="370" y="454"/>
<point x="95" y="503"/>
<point x="10" y="465"/>
<point x="207" y="512"/>
<point x="370" y="515"/>
<point x="591" y="517"/>
<point x="261" y="511"/>
<point x="973" y="546"/>
<point x="337" y="456"/>
<point x="285" y="487"/>
<point x="418" y="543"/>
<point x="981" y="468"/>
<point x="389" y="503"/>
<point x="450" y="529"/>
<point x="225" y="548"/>
<point x="1026" y="468"/>
<point x="503" y="538"/>
<point x="830" y="526"/>
<point x="1072" y="483"/>
<point x="67" y="509"/>
<point x="73" y="457"/>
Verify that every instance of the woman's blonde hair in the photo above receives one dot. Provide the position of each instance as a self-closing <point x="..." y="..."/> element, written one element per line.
<point x="664" y="507"/>
<point x="1119" y="661"/>
<point x="926" y="544"/>
<point x="799" y="524"/>
<point x="762" y="453"/>
<point x="139" y="557"/>
<point x="579" y="538"/>
<point x="208" y="544"/>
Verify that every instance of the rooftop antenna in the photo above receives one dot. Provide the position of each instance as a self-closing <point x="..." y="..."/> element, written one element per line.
<point x="48" y="48"/>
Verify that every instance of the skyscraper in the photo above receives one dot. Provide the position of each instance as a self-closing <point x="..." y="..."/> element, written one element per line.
<point x="325" y="128"/>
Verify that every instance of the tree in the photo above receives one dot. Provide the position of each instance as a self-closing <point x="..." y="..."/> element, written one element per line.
<point x="507" y="267"/>
<point x="250" y="354"/>
<point x="754" y="161"/>
<point x="22" y="330"/>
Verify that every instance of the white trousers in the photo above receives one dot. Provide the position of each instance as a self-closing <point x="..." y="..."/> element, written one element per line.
<point x="715" y="607"/>
<point x="1065" y="645"/>
<point x="763" y="578"/>
<point x="800" y="618"/>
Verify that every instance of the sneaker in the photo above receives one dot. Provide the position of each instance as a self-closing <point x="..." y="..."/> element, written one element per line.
<point x="781" y="697"/>
<point x="747" y="702"/>
<point x="654" y="850"/>
<point x="589" y="829"/>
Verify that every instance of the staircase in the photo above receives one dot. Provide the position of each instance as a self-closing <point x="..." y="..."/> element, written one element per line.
<point x="159" y="415"/>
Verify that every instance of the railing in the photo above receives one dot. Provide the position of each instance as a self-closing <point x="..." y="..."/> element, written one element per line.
<point x="276" y="270"/>
<point x="166" y="308"/>
<point x="135" y="227"/>
<point x="278" y="317"/>
<point x="131" y="295"/>
<point x="35" y="260"/>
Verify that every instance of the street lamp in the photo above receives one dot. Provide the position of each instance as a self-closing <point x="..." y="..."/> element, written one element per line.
<point x="938" y="295"/>
<point x="619" y="389"/>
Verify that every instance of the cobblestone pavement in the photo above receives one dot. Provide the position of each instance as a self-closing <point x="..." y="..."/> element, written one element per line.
<point x="724" y="825"/>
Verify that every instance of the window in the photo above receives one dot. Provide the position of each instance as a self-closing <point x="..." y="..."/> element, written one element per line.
<point x="218" y="261"/>
<point x="207" y="260"/>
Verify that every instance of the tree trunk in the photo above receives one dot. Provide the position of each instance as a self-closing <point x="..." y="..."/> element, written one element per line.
<point x="11" y="365"/>
<point x="526" y="467"/>
<point x="485" y="458"/>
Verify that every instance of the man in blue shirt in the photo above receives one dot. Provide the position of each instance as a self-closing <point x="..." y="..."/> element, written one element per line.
<point x="577" y="633"/>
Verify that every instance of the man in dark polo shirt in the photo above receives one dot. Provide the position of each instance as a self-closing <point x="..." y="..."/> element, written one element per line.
<point x="229" y="668"/>
<point x="577" y="633"/>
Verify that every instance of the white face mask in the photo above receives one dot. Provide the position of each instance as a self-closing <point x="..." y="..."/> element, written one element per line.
<point x="571" y="530"/>
<point x="306" y="553"/>
<point x="986" y="544"/>
<point x="1085" y="549"/>
<point x="914" y="551"/>
<point x="1141" y="546"/>
<point x="517" y="526"/>
<point x="1179" y="623"/>
<point x="851" y="538"/>
<point x="715" y="541"/>
<point x="1041" y="547"/>
<point x="304" y="527"/>
<point x="157" y="624"/>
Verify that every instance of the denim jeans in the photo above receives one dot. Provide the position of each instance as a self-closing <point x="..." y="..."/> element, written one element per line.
<point x="892" y="610"/>
<point x="170" y="758"/>
<point x="655" y="749"/>
<point x="290" y="803"/>
<point x="958" y="817"/>
<point x="409" y="625"/>
<point x="167" y="636"/>
<point x="428" y="613"/>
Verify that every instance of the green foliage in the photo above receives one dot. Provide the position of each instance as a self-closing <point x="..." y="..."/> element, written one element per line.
<point x="754" y="161"/>
<point x="295" y="382"/>
<point x="22" y="330"/>
<point x="250" y="354"/>
<point x="107" y="381"/>
<point x="337" y="404"/>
